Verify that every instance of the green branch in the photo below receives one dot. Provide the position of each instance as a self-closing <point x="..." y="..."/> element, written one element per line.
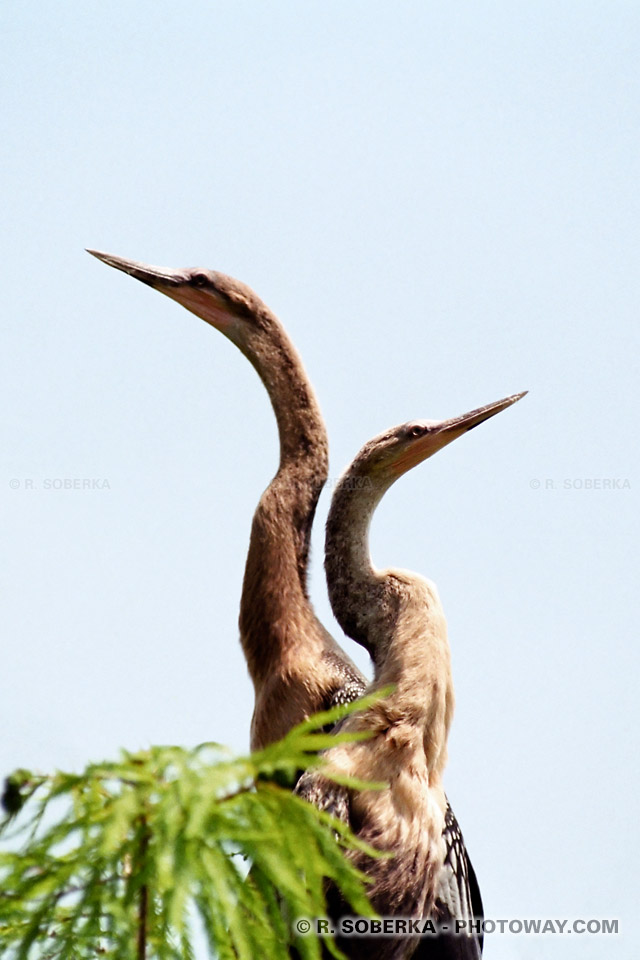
<point x="120" y="860"/>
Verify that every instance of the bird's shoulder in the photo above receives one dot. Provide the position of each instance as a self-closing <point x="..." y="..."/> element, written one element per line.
<point x="413" y="584"/>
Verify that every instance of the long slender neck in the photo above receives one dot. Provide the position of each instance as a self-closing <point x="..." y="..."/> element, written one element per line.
<point x="362" y="599"/>
<point x="275" y="612"/>
<point x="394" y="614"/>
<point x="303" y="438"/>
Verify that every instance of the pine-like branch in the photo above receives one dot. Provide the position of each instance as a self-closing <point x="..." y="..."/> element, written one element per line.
<point x="123" y="859"/>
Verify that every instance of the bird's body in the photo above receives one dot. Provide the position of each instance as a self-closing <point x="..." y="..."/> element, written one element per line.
<point x="406" y="748"/>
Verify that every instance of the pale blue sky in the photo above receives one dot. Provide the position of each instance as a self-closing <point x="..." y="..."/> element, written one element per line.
<point x="440" y="202"/>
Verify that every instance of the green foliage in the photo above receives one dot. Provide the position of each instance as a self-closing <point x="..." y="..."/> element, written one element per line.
<point x="128" y="858"/>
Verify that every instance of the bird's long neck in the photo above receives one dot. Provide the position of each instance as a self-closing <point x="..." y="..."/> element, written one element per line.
<point x="275" y="612"/>
<point x="396" y="616"/>
<point x="361" y="599"/>
<point x="303" y="438"/>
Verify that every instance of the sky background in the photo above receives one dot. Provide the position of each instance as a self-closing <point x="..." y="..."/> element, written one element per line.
<point x="440" y="202"/>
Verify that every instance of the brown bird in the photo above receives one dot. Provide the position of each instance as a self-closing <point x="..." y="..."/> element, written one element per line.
<point x="398" y="618"/>
<point x="296" y="667"/>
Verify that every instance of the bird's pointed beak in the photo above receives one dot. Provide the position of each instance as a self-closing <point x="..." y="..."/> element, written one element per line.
<point x="206" y="304"/>
<point x="451" y="429"/>
<point x="161" y="278"/>
<point x="441" y="434"/>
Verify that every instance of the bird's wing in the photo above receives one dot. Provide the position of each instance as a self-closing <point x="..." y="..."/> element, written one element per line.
<point x="457" y="898"/>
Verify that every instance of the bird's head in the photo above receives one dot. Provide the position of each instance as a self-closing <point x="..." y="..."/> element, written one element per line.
<point x="225" y="303"/>
<point x="391" y="454"/>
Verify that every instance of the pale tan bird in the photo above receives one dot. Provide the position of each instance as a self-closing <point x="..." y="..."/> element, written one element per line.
<point x="398" y="618"/>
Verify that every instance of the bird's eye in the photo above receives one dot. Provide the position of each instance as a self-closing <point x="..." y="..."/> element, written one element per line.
<point x="199" y="280"/>
<point x="417" y="430"/>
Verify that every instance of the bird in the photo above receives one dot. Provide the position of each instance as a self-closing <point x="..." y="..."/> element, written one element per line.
<point x="296" y="666"/>
<point x="398" y="618"/>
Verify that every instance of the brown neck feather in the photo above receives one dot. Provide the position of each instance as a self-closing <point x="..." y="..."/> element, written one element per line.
<point x="275" y="612"/>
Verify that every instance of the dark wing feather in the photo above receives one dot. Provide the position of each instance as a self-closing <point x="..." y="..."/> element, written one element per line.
<point x="352" y="684"/>
<point x="476" y="900"/>
<point x="458" y="898"/>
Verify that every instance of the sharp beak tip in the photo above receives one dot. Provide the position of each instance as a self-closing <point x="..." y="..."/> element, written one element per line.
<point x="99" y="255"/>
<point x="119" y="263"/>
<point x="509" y="401"/>
<point x="516" y="396"/>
